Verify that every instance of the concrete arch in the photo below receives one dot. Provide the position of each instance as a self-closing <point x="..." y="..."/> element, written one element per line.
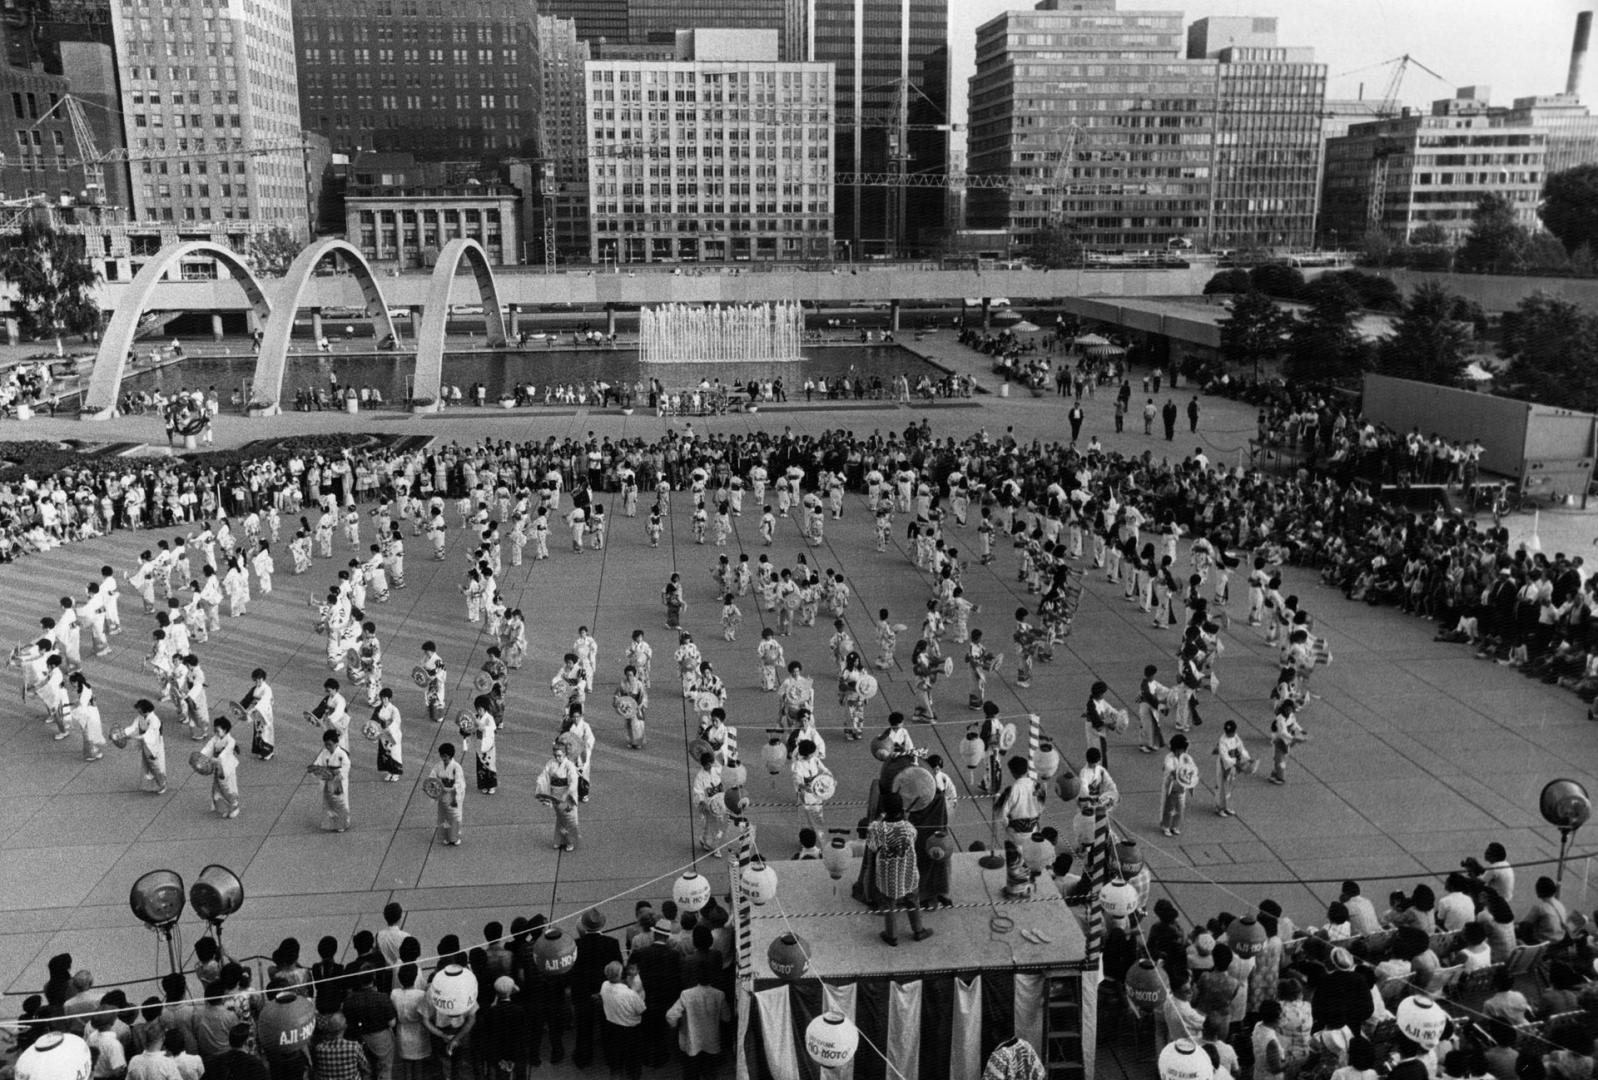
<point x="105" y="384"/>
<point x="430" y="337"/>
<point x="273" y="360"/>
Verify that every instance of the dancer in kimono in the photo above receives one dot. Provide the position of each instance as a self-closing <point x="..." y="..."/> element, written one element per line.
<point x="390" y="737"/>
<point x="335" y="760"/>
<point x="224" y="754"/>
<point x="256" y="706"/>
<point x="146" y="727"/>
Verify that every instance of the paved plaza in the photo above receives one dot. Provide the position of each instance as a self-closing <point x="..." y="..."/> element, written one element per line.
<point x="1420" y="754"/>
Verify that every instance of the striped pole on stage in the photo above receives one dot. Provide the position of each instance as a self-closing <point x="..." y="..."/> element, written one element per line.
<point x="746" y="948"/>
<point x="1034" y="724"/>
<point x="1098" y="877"/>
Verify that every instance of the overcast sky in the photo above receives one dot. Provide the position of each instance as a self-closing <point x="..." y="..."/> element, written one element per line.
<point x="1517" y="47"/>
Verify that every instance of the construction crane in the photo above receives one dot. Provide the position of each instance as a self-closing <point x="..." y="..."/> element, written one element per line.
<point x="1069" y="133"/>
<point x="1381" y="158"/>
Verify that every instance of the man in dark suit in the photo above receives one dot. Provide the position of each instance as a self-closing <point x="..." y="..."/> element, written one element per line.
<point x="660" y="967"/>
<point x="595" y="949"/>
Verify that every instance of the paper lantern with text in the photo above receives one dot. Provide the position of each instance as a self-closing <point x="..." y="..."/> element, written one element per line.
<point x="759" y="881"/>
<point x="1118" y="899"/>
<point x="554" y="953"/>
<point x="831" y="1040"/>
<point x="57" y="1055"/>
<point x="1143" y="986"/>
<point x="1130" y="856"/>
<point x="789" y="957"/>
<point x="285" y="1026"/>
<point x="1246" y="937"/>
<point x="1068" y="784"/>
<point x="452" y="993"/>
<point x="1421" y="1019"/>
<point x="940" y="845"/>
<point x="1184" y="1060"/>
<point x="691" y="891"/>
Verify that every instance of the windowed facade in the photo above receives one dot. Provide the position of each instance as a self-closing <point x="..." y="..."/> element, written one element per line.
<point x="1103" y="125"/>
<point x="433" y="78"/>
<point x="709" y="161"/>
<point x="210" y="100"/>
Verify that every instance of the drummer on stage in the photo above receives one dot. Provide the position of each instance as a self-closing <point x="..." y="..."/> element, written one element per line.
<point x="333" y="765"/>
<point x="451" y="799"/>
<point x="146" y="727"/>
<point x="258" y="700"/>
<point x="223" y="751"/>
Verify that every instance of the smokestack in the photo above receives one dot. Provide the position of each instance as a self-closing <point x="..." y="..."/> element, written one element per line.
<point x="1578" y="52"/>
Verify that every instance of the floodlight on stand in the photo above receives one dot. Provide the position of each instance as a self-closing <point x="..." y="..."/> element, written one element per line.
<point x="1566" y="806"/>
<point x="157" y="902"/>
<point x="216" y="894"/>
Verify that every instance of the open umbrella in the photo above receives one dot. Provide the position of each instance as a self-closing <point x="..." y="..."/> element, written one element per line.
<point x="1025" y="327"/>
<point x="1476" y="373"/>
<point x="1008" y="315"/>
<point x="1106" y="350"/>
<point x="1089" y="340"/>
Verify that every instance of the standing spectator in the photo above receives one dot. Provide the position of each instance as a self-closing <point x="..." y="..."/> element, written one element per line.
<point x="412" y="1048"/>
<point x="371" y="1016"/>
<point x="1193" y="414"/>
<point x="659" y="968"/>
<point x="1149" y="413"/>
<point x="622" y="999"/>
<point x="893" y="840"/>
<point x="159" y="1059"/>
<point x="500" y="1038"/>
<point x="238" y="1062"/>
<point x="333" y="1057"/>
<point x="596" y="951"/>
<point x="110" y="1061"/>
<point x="699" y="1014"/>
<point x="1545" y="921"/>
<point x="1075" y="417"/>
<point x="1168" y="415"/>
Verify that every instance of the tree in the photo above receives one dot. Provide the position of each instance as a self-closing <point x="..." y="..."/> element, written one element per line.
<point x="1254" y="330"/>
<point x="1544" y="254"/>
<point x="1279" y="280"/>
<point x="1570" y="207"/>
<point x="272" y="251"/>
<point x="1375" y="292"/>
<point x="1228" y="281"/>
<point x="1056" y="246"/>
<point x="1324" y="345"/>
<point x="1552" y="347"/>
<point x="1497" y="241"/>
<point x="54" y="281"/>
<point x="1430" y="234"/>
<point x="1430" y="342"/>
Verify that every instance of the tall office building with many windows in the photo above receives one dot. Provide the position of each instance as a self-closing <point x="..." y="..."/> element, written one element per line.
<point x="1269" y="101"/>
<point x="439" y="79"/>
<point x="211" y="111"/>
<point x="888" y="55"/>
<point x="564" y="140"/>
<point x="1105" y="127"/>
<point x="721" y="155"/>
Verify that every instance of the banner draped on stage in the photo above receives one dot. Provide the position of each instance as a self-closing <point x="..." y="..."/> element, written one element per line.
<point x="939" y="1027"/>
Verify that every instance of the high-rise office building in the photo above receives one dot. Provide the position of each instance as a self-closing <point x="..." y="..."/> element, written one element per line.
<point x="1399" y="173"/>
<point x="648" y="17"/>
<point x="887" y="55"/>
<point x="594" y="19"/>
<point x="562" y="57"/>
<point x="1108" y="127"/>
<point x="1268" y="108"/>
<point x="440" y="79"/>
<point x="211" y="110"/>
<point x="721" y="155"/>
<point x="1100" y="111"/>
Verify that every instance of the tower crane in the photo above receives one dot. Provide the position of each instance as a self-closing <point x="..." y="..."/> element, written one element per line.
<point x="1386" y="108"/>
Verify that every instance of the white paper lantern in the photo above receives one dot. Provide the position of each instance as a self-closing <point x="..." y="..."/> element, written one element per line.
<point x="1038" y="852"/>
<point x="1118" y="899"/>
<point x="1048" y="761"/>
<point x="1184" y="1060"/>
<point x="691" y="891"/>
<point x="835" y="857"/>
<point x="452" y="993"/>
<point x="972" y="749"/>
<point x="58" y="1055"/>
<point x="759" y="882"/>
<point x="831" y="1040"/>
<point x="1421" y="1019"/>
<point x="734" y="774"/>
<point x="775" y="755"/>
